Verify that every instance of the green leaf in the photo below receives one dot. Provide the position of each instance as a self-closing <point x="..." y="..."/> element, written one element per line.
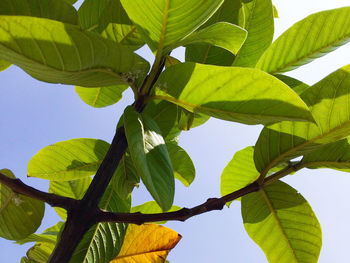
<point x="222" y="34"/>
<point x="150" y="156"/>
<point x="335" y="155"/>
<point x="73" y="189"/>
<point x="188" y="120"/>
<point x="48" y="236"/>
<point x="40" y="252"/>
<point x="298" y="86"/>
<point x="243" y="95"/>
<point x="102" y="96"/>
<point x="183" y="166"/>
<point x="152" y="208"/>
<point x="260" y="26"/>
<point x="208" y="54"/>
<point x="52" y="9"/>
<point x="20" y="216"/>
<point x="103" y="241"/>
<point x="310" y="38"/>
<point x="329" y="103"/>
<point x="283" y="224"/>
<point x="71" y="1"/>
<point x="68" y="160"/>
<point x="275" y="12"/>
<point x="239" y="172"/>
<point x="126" y="177"/>
<point x="4" y="64"/>
<point x="164" y="23"/>
<point x="70" y="56"/>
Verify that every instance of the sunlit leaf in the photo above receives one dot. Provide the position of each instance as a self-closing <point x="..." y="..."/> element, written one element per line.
<point x="69" y="56"/>
<point x="150" y="156"/>
<point x="4" y="64"/>
<point x="310" y="38"/>
<point x="298" y="86"/>
<point x="73" y="189"/>
<point x="48" y="236"/>
<point x="20" y="215"/>
<point x="329" y="103"/>
<point x="259" y="23"/>
<point x="68" y="160"/>
<point x="40" y="252"/>
<point x="102" y="96"/>
<point x="147" y="244"/>
<point x="239" y="172"/>
<point x="164" y="23"/>
<point x="283" y="224"/>
<point x="243" y="95"/>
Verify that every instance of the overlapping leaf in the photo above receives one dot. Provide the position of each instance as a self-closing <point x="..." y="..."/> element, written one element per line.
<point x="329" y="104"/>
<point x="102" y="96"/>
<point x="73" y="189"/>
<point x="52" y="9"/>
<point x="258" y="17"/>
<point x="4" y="64"/>
<point x="298" y="86"/>
<point x="243" y="95"/>
<point x="150" y="156"/>
<point x="164" y="23"/>
<point x="48" y="236"/>
<point x="68" y="160"/>
<point x="310" y="38"/>
<point x="69" y="56"/>
<point x="283" y="224"/>
<point x="147" y="243"/>
<point x="239" y="172"/>
<point x="20" y="215"/>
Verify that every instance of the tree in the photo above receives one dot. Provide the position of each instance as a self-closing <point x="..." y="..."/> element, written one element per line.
<point x="249" y="106"/>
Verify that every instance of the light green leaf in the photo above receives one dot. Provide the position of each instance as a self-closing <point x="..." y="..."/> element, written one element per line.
<point x="48" y="236"/>
<point x="208" y="54"/>
<point x="275" y="12"/>
<point x="243" y="95"/>
<point x="239" y="172"/>
<point x="102" y="96"/>
<point x="222" y="34"/>
<point x="150" y="156"/>
<point x="126" y="177"/>
<point x="183" y="166"/>
<point x="103" y="241"/>
<point x="73" y="189"/>
<point x="69" y="56"/>
<point x="329" y="103"/>
<point x="335" y="155"/>
<point x="4" y="64"/>
<point x="260" y="26"/>
<point x="20" y="216"/>
<point x="40" y="252"/>
<point x="298" y="86"/>
<point x="52" y="9"/>
<point x="152" y="208"/>
<point x="68" y="160"/>
<point x="310" y="38"/>
<point x="283" y="224"/>
<point x="164" y="23"/>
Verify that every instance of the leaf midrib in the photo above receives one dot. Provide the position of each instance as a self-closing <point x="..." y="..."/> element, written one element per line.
<point x="8" y="201"/>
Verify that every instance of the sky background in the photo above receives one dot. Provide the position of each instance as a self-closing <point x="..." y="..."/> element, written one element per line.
<point x="34" y="114"/>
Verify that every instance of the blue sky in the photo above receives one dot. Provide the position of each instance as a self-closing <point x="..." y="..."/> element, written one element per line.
<point x="35" y="114"/>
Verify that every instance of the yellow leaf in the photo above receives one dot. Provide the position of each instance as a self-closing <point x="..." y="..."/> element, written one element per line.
<point x="149" y="243"/>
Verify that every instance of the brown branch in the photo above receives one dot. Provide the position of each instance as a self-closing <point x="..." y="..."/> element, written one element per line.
<point x="180" y="215"/>
<point x="17" y="186"/>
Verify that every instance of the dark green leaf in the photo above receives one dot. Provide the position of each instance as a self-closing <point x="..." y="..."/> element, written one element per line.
<point x="298" y="86"/>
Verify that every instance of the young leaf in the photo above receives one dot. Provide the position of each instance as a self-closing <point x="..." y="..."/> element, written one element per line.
<point x="73" y="189"/>
<point x="208" y="54"/>
<point x="183" y="166"/>
<point x="243" y="95"/>
<point x="68" y="160"/>
<point x="20" y="216"/>
<point x="164" y="23"/>
<point x="150" y="156"/>
<point x="310" y="38"/>
<point x="260" y="25"/>
<point x="147" y="243"/>
<point x="239" y="172"/>
<point x="64" y="57"/>
<point x="51" y="9"/>
<point x="222" y="34"/>
<point x="102" y="96"/>
<point x="103" y="241"/>
<point x="283" y="224"/>
<point x="329" y="104"/>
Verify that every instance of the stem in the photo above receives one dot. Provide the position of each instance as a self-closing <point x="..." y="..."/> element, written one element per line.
<point x="282" y="173"/>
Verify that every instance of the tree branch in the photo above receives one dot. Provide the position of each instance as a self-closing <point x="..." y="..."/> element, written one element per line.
<point x="180" y="215"/>
<point x="19" y="187"/>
